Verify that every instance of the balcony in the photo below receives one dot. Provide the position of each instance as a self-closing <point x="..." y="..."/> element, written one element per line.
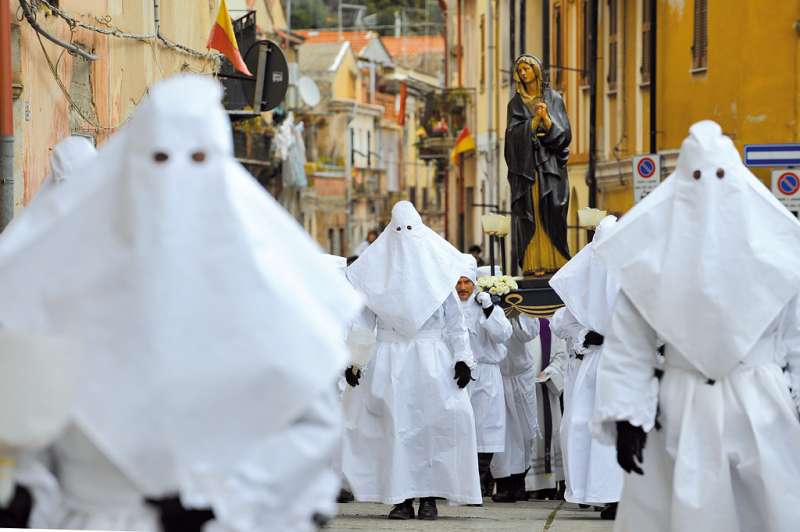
<point x="446" y="114"/>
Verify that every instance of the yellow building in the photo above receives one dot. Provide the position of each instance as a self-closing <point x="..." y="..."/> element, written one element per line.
<point x="732" y="61"/>
<point x="57" y="94"/>
<point x="133" y="44"/>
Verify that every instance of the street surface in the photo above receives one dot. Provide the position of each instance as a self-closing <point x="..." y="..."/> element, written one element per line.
<point x="539" y="516"/>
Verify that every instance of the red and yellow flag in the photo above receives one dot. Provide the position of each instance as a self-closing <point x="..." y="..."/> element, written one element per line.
<point x="223" y="39"/>
<point x="464" y="143"/>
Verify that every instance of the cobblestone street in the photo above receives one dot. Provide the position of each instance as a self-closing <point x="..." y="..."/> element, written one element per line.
<point x="537" y="516"/>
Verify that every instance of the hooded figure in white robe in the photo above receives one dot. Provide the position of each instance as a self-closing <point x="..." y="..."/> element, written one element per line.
<point x="179" y="268"/>
<point x="489" y="330"/>
<point x="550" y="364"/>
<point x="708" y="264"/>
<point x="410" y="428"/>
<point x="522" y="413"/>
<point x="592" y="475"/>
<point x="68" y="156"/>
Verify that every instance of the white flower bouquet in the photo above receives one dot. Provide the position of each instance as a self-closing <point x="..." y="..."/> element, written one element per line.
<point x="497" y="285"/>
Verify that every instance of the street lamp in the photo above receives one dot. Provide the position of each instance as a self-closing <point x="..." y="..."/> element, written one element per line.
<point x="497" y="226"/>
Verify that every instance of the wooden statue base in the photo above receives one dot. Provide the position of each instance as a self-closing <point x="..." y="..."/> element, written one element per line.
<point x="533" y="298"/>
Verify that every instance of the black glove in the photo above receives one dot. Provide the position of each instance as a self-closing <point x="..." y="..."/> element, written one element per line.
<point x="175" y="518"/>
<point x="352" y="376"/>
<point x="462" y="374"/>
<point x="630" y="444"/>
<point x="16" y="514"/>
<point x="592" y="338"/>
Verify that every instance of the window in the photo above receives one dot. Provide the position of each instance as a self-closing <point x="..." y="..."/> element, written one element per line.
<point x="613" y="22"/>
<point x="483" y="52"/>
<point x="412" y="196"/>
<point x="558" y="60"/>
<point x="331" y="243"/>
<point x="587" y="49"/>
<point x="700" y="41"/>
<point x="647" y="20"/>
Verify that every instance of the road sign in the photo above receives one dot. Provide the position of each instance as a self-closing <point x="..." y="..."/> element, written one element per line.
<point x="786" y="187"/>
<point x="646" y="175"/>
<point x="772" y="154"/>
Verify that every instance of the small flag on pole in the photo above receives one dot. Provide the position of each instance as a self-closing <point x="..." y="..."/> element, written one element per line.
<point x="464" y="143"/>
<point x="223" y="39"/>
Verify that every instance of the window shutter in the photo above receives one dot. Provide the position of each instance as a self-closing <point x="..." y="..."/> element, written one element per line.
<point x="587" y="53"/>
<point x="611" y="78"/>
<point x="700" y="41"/>
<point x="647" y="22"/>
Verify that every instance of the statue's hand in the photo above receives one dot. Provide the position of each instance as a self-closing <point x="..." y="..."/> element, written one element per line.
<point x="540" y="110"/>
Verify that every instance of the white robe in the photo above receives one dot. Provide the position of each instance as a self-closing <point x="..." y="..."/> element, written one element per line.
<point x="409" y="429"/>
<point x="519" y="386"/>
<point x="538" y="478"/>
<point x="487" y="338"/>
<point x="566" y="327"/>
<point x="726" y="458"/>
<point x="283" y="483"/>
<point x="592" y="473"/>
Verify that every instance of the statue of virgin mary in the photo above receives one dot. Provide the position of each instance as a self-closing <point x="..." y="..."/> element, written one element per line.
<point x="537" y="150"/>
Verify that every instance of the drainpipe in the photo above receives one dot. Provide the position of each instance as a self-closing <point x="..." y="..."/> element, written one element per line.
<point x="512" y="23"/>
<point x="591" y="177"/>
<point x="653" y="71"/>
<point x="522" y="26"/>
<point x="6" y="119"/>
<point x="546" y="36"/>
<point x="460" y="44"/>
<point x="490" y="102"/>
<point x="495" y="78"/>
<point x="443" y="7"/>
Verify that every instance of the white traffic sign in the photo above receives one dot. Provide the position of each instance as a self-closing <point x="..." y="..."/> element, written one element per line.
<point x="646" y="175"/>
<point x="786" y="187"/>
<point x="772" y="155"/>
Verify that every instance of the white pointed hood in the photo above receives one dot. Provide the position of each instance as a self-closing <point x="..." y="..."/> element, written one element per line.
<point x="710" y="257"/>
<point x="408" y="272"/>
<point x="585" y="286"/>
<point x="209" y="318"/>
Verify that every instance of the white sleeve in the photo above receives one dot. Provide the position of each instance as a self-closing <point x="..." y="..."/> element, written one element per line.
<point x="790" y="328"/>
<point x="497" y="326"/>
<point x="558" y="365"/>
<point x="32" y="471"/>
<point x="456" y="335"/>
<point x="627" y="388"/>
<point x="564" y="325"/>
<point x="361" y="338"/>
<point x="287" y="480"/>
<point x="525" y="328"/>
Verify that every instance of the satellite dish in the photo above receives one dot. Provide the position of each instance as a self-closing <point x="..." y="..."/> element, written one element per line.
<point x="266" y="60"/>
<point x="309" y="92"/>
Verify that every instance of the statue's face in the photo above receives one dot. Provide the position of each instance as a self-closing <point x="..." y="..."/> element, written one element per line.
<point x="525" y="72"/>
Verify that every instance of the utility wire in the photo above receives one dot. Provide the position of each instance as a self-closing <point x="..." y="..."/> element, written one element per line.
<point x="108" y="30"/>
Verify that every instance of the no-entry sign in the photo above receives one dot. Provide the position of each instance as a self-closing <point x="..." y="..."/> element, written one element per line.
<point x="646" y="175"/>
<point x="786" y="187"/>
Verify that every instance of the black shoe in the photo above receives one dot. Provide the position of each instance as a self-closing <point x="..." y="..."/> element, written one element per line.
<point x="345" y="497"/>
<point x="609" y="513"/>
<point x="403" y="511"/>
<point x="427" y="509"/>
<point x="487" y="482"/>
<point x="505" y="490"/>
<point x="562" y="488"/>
<point x="518" y="487"/>
<point x="545" y="495"/>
